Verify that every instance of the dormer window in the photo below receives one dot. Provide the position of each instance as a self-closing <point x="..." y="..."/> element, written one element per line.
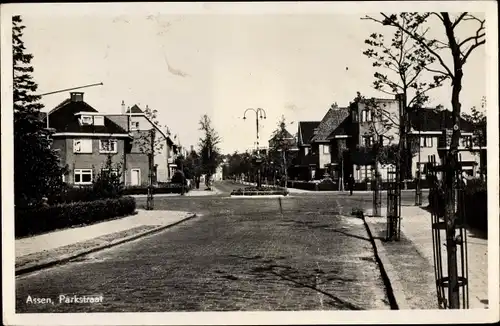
<point x="134" y="125"/>
<point x="99" y="120"/>
<point x="86" y="120"/>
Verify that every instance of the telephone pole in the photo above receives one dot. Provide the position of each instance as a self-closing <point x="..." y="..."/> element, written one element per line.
<point x="259" y="113"/>
<point x="150" y="199"/>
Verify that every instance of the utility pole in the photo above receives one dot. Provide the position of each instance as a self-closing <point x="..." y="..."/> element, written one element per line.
<point x="65" y="90"/>
<point x="70" y="89"/>
<point x="259" y="113"/>
<point x="418" y="188"/>
<point x="149" y="201"/>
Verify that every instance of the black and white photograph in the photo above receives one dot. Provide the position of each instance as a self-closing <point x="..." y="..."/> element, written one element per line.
<point x="250" y="163"/>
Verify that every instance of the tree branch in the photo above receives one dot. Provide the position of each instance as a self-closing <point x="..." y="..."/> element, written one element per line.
<point x="438" y="72"/>
<point x="457" y="21"/>
<point x="384" y="91"/>
<point x="420" y="41"/>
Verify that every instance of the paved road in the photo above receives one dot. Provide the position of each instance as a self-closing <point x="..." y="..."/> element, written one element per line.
<point x="242" y="254"/>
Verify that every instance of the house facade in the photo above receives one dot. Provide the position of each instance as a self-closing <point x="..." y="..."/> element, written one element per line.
<point x="306" y="165"/>
<point x="336" y="146"/>
<point x="145" y="132"/>
<point x="85" y="139"/>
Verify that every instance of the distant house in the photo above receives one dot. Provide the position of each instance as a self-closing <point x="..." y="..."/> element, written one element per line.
<point x="165" y="149"/>
<point x="331" y="135"/>
<point x="306" y="162"/>
<point x="85" y="138"/>
<point x="428" y="126"/>
<point x="337" y="144"/>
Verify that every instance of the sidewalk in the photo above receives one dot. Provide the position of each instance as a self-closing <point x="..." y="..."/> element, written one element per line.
<point x="409" y="262"/>
<point x="191" y="193"/>
<point x="47" y="249"/>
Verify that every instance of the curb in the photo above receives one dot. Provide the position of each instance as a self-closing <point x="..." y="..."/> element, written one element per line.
<point x="260" y="196"/>
<point x="68" y="257"/>
<point x="397" y="299"/>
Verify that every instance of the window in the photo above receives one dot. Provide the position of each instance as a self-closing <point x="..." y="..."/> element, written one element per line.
<point x="368" y="141"/>
<point x="134" y="125"/>
<point x="108" y="146"/>
<point x="366" y="115"/>
<point x="467" y="141"/>
<point x="83" y="176"/>
<point x="365" y="172"/>
<point x="82" y="146"/>
<point x="306" y="151"/>
<point x="99" y="120"/>
<point x="86" y="120"/>
<point x="326" y="149"/>
<point x="113" y="172"/>
<point x="426" y="141"/>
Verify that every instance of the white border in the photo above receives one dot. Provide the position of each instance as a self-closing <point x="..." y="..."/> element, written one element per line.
<point x="247" y="318"/>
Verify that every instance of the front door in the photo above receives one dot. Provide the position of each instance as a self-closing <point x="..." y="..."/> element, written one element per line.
<point x="135" y="178"/>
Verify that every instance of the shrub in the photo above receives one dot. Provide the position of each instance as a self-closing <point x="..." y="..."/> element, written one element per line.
<point x="255" y="191"/>
<point x="179" y="178"/>
<point x="45" y="219"/>
<point x="171" y="188"/>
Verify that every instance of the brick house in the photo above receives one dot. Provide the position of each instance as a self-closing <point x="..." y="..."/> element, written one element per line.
<point x="335" y="145"/>
<point x="429" y="126"/>
<point x="165" y="149"/>
<point x="85" y="138"/>
<point x="305" y="167"/>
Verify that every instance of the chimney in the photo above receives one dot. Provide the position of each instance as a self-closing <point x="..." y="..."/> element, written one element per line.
<point x="192" y="148"/>
<point x="76" y="96"/>
<point x="123" y="107"/>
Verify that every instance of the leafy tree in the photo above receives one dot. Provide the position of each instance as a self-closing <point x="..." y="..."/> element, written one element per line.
<point x="108" y="183"/>
<point x="238" y="164"/>
<point x="190" y="164"/>
<point x="37" y="169"/>
<point x="280" y="148"/>
<point x="459" y="48"/>
<point x="209" y="152"/>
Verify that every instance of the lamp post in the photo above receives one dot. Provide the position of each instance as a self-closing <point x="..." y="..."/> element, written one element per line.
<point x="259" y="113"/>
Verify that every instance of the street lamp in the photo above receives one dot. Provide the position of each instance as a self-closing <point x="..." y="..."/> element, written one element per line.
<point x="259" y="114"/>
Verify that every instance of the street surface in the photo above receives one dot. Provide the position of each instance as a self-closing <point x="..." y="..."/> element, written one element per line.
<point x="304" y="252"/>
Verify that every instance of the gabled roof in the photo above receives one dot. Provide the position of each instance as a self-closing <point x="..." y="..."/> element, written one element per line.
<point x="63" y="119"/>
<point x="332" y="119"/>
<point x="286" y="135"/>
<point x="306" y="131"/>
<point x="134" y="109"/>
<point x="429" y="119"/>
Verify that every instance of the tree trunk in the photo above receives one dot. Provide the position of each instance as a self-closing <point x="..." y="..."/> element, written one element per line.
<point x="450" y="167"/>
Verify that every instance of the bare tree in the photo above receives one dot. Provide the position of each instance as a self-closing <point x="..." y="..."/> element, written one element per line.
<point x="460" y="49"/>
<point x="402" y="63"/>
<point x="151" y="145"/>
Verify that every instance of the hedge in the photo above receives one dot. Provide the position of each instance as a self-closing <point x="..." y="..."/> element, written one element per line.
<point x="256" y="191"/>
<point x="473" y="205"/>
<point x="49" y="218"/>
<point x="358" y="186"/>
<point x="168" y="188"/>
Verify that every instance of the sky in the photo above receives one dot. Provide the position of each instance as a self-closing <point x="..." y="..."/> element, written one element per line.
<point x="185" y="66"/>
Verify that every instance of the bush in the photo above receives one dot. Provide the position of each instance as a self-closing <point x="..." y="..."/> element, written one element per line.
<point x="179" y="178"/>
<point x="473" y="207"/>
<point x="168" y="188"/>
<point x="45" y="219"/>
<point x="255" y="191"/>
